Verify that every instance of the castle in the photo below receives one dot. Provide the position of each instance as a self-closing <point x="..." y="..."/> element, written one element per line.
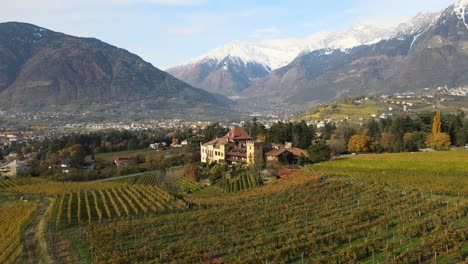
<point x="236" y="147"/>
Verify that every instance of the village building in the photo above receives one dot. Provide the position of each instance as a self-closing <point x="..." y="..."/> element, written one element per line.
<point x="12" y="169"/>
<point x="285" y="154"/>
<point x="236" y="147"/>
<point x="121" y="161"/>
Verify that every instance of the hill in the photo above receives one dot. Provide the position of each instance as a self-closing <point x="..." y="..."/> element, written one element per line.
<point x="390" y="208"/>
<point x="42" y="69"/>
<point x="361" y="108"/>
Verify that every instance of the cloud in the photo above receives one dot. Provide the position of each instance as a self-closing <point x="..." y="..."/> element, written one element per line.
<point x="185" y="31"/>
<point x="265" y="32"/>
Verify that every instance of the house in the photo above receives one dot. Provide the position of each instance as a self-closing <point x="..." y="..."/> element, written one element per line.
<point x="12" y="169"/>
<point x="285" y="154"/>
<point x="121" y="161"/>
<point x="236" y="147"/>
<point x="65" y="165"/>
<point x="184" y="142"/>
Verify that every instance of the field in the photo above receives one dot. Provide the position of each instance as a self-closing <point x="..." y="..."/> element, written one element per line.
<point x="241" y="182"/>
<point x="389" y="208"/>
<point x="431" y="172"/>
<point x="171" y="179"/>
<point x="326" y="221"/>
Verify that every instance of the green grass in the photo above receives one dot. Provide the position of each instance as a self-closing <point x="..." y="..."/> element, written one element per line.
<point x="437" y="172"/>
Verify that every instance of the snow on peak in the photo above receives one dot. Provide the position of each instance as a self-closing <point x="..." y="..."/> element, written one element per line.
<point x="271" y="54"/>
<point x="460" y="9"/>
<point x="416" y="24"/>
<point x="276" y="53"/>
<point x="356" y="35"/>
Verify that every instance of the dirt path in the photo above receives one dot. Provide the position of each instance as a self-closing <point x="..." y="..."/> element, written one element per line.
<point x="35" y="245"/>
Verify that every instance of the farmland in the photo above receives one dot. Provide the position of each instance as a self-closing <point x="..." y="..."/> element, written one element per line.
<point x="388" y="208"/>
<point x="436" y="172"/>
<point x="330" y="220"/>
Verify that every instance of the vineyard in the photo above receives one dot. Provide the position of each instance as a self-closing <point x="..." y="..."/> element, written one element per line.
<point x="172" y="179"/>
<point x="332" y="220"/>
<point x="241" y="182"/>
<point x="13" y="217"/>
<point x="7" y="183"/>
<point x="438" y="172"/>
<point x="95" y="205"/>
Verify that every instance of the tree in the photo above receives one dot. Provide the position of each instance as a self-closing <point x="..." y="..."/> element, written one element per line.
<point x="440" y="141"/>
<point x="388" y="141"/>
<point x="327" y="130"/>
<point x="437" y="124"/>
<point x="345" y="131"/>
<point x="373" y="130"/>
<point x="337" y="145"/>
<point x="359" y="143"/>
<point x="319" y="152"/>
<point x="78" y="156"/>
<point x="414" y="140"/>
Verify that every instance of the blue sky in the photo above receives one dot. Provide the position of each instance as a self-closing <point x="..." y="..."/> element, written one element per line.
<point x="169" y="32"/>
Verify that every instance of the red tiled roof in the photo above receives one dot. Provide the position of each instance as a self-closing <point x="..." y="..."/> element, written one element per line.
<point x="276" y="152"/>
<point x="238" y="133"/>
<point x="297" y="152"/>
<point x="121" y="159"/>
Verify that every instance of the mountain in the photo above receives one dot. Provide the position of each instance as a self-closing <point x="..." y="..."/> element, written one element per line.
<point x="233" y="67"/>
<point x="40" y="68"/>
<point x="428" y="51"/>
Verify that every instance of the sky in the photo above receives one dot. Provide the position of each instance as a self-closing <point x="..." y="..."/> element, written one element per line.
<point x="170" y="32"/>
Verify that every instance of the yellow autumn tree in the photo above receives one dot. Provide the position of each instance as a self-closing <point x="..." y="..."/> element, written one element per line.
<point x="437" y="124"/>
<point x="438" y="140"/>
<point x="359" y="143"/>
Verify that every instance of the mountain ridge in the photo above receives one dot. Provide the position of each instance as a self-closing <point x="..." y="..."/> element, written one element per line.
<point x="212" y="72"/>
<point x="432" y="53"/>
<point x="40" y="67"/>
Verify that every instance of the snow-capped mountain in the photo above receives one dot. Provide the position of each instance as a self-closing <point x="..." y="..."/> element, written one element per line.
<point x="430" y="50"/>
<point x="233" y="67"/>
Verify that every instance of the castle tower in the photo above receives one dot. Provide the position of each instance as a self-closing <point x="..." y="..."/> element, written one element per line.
<point x="254" y="152"/>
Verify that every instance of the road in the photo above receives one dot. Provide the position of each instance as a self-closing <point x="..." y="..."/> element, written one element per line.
<point x="125" y="176"/>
